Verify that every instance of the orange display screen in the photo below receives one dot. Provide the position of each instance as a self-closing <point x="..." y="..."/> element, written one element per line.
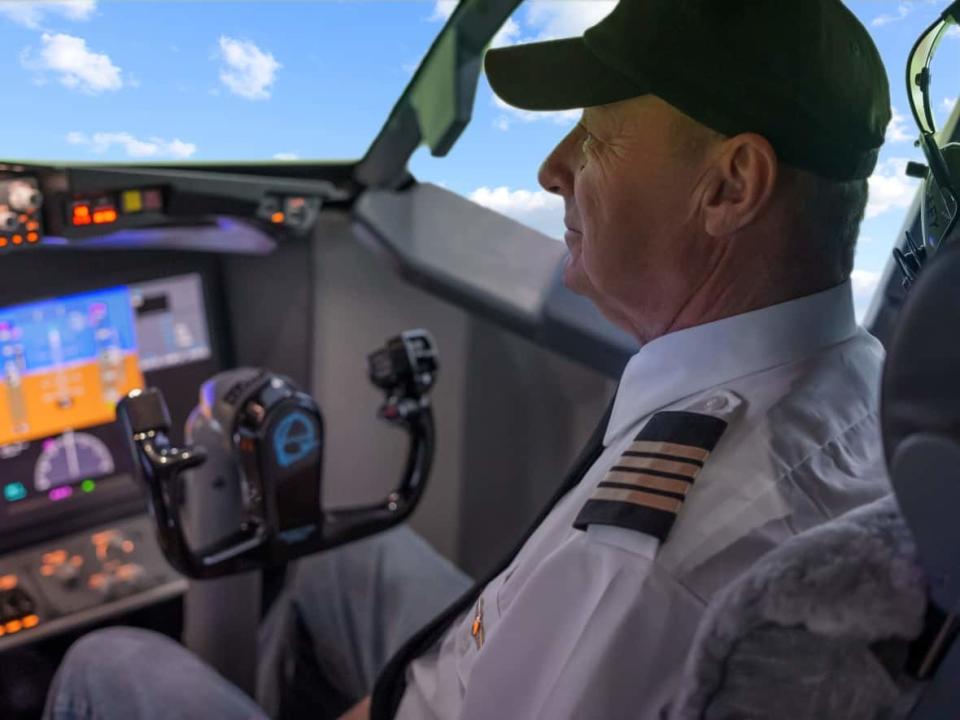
<point x="65" y="363"/>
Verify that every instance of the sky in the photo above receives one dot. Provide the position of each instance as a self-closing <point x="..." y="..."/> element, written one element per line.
<point x="147" y="81"/>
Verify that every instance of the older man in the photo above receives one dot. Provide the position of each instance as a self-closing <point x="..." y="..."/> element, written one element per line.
<point x="713" y="191"/>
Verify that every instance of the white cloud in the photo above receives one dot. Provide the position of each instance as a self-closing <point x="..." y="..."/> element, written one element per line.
<point x="560" y="117"/>
<point x="948" y="104"/>
<point x="954" y="32"/>
<point x="545" y="19"/>
<point x="153" y="147"/>
<point x="903" y="10"/>
<point x="78" y="67"/>
<point x="508" y="34"/>
<point x="443" y="9"/>
<point x="286" y="156"/>
<point x="554" y="19"/>
<point x="890" y="187"/>
<point x="177" y="148"/>
<point x="33" y="14"/>
<point x="864" y="284"/>
<point x="247" y="70"/>
<point x="898" y="130"/>
<point x="537" y="209"/>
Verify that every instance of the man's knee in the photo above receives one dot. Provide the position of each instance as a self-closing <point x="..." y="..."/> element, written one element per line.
<point x="139" y="675"/>
<point x="103" y="664"/>
<point x="111" y="654"/>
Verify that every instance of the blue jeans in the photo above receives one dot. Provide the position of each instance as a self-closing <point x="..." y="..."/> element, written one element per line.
<point x="329" y="634"/>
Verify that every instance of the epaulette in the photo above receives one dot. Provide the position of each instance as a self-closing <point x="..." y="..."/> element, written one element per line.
<point x="646" y="487"/>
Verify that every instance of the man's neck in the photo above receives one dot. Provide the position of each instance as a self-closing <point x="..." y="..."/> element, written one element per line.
<point x="753" y="288"/>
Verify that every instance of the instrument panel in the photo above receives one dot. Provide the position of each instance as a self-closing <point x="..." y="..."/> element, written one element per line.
<point x="236" y="210"/>
<point x="81" y="326"/>
<point x="65" y="361"/>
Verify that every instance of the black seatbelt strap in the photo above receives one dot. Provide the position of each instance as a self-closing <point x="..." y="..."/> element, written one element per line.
<point x="392" y="682"/>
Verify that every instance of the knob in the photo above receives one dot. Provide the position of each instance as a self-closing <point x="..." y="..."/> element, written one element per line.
<point x="23" y="197"/>
<point x="15" y="604"/>
<point x="8" y="221"/>
<point x="21" y="602"/>
<point x="130" y="577"/>
<point x="68" y="574"/>
<point x="104" y="584"/>
<point x="111" y="545"/>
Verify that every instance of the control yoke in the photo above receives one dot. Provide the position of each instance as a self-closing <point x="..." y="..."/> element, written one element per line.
<point x="260" y="431"/>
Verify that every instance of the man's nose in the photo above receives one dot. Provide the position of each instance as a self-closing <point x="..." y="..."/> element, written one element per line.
<point x="559" y="169"/>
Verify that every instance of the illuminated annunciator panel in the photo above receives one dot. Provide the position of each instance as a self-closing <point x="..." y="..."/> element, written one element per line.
<point x="65" y="363"/>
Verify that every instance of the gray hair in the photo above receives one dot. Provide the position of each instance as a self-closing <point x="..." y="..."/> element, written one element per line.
<point x="828" y="214"/>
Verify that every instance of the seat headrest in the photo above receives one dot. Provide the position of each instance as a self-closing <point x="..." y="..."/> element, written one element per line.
<point x="921" y="377"/>
<point x="920" y="419"/>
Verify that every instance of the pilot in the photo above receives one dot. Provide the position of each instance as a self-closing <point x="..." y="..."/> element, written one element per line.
<point x="713" y="190"/>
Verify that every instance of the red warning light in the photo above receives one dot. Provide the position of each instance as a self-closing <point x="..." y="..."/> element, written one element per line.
<point x="3" y="241"/>
<point x="17" y="240"/>
<point x="33" y="237"/>
<point x="104" y="215"/>
<point x="277" y="217"/>
<point x="152" y="200"/>
<point x="81" y="214"/>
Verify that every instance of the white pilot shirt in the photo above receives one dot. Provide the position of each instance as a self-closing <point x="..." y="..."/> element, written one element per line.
<point x="597" y="623"/>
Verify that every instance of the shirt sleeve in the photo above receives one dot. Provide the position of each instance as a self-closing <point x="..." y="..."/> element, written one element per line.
<point x="598" y="631"/>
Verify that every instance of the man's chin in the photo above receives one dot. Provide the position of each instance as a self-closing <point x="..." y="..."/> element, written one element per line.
<point x="573" y="277"/>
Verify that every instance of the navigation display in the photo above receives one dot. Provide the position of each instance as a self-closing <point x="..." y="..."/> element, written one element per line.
<point x="65" y="362"/>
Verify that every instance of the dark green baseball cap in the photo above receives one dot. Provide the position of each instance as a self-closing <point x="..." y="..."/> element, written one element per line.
<point x="803" y="73"/>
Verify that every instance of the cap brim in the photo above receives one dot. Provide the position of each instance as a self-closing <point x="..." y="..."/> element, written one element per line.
<point x="555" y="75"/>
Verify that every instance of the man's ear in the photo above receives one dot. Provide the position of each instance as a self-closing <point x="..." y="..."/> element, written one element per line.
<point x="739" y="183"/>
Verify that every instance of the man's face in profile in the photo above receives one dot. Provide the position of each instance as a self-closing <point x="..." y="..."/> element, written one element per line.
<point x="628" y="184"/>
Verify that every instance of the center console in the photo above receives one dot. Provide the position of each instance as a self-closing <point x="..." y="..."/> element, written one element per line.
<point x="82" y="579"/>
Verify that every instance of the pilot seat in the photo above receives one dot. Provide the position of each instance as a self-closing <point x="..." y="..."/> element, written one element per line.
<point x="855" y="619"/>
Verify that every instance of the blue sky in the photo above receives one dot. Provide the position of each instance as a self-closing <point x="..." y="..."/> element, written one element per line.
<point x="222" y="80"/>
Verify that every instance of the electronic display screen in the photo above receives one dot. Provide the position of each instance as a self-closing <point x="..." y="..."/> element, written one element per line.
<point x="65" y="362"/>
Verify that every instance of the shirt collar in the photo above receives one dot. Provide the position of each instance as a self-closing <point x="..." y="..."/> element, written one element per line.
<point x="689" y="361"/>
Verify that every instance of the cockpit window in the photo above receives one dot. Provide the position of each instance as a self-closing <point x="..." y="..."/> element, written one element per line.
<point x="495" y="161"/>
<point x="88" y="80"/>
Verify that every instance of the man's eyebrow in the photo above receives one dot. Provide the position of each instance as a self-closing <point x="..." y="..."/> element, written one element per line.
<point x="593" y="120"/>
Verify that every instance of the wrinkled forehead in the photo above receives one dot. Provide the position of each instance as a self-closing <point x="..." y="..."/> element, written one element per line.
<point x="642" y="113"/>
<point x="612" y="113"/>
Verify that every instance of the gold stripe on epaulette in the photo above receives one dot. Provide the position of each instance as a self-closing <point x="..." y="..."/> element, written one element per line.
<point x="657" y="502"/>
<point x="652" y="482"/>
<point x="687" y="469"/>
<point x="665" y="448"/>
